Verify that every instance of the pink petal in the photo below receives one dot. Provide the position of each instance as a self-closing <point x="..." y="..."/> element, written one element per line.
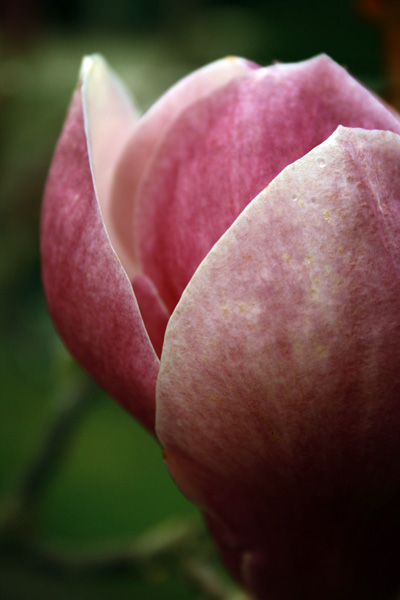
<point x="89" y="294"/>
<point x="150" y="130"/>
<point x="110" y="119"/>
<point x="278" y="394"/>
<point x="225" y="148"/>
<point x="154" y="312"/>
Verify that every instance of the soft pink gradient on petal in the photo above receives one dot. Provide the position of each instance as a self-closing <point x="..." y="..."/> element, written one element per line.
<point x="278" y="395"/>
<point x="225" y="148"/>
<point x="88" y="292"/>
<point x="110" y="118"/>
<point x="154" y="312"/>
<point x="149" y="132"/>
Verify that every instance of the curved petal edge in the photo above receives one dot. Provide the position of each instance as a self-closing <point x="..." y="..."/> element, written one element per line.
<point x="88" y="292"/>
<point x="277" y="398"/>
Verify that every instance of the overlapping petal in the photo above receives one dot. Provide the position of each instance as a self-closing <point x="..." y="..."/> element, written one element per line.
<point x="225" y="148"/>
<point x="89" y="294"/>
<point x="278" y="394"/>
<point x="149" y="133"/>
<point x="110" y="120"/>
<point x="277" y="398"/>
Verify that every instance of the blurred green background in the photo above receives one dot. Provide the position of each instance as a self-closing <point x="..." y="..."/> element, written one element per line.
<point x="112" y="484"/>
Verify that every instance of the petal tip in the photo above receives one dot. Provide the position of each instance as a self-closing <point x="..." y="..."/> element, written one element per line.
<point x="89" y="63"/>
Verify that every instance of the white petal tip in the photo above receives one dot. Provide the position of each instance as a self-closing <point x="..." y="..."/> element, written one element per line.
<point x="91" y="63"/>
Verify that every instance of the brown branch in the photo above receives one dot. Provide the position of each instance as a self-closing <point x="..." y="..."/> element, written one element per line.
<point x="178" y="546"/>
<point x="205" y="578"/>
<point x="19" y="508"/>
<point x="39" y="473"/>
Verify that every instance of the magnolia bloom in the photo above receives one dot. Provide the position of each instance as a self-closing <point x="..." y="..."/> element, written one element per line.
<point x="227" y="267"/>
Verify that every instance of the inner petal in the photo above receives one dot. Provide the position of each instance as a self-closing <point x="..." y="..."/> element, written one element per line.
<point x="227" y="147"/>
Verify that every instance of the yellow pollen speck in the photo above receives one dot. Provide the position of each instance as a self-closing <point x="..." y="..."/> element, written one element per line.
<point x="309" y="260"/>
<point x="287" y="258"/>
<point x="327" y="216"/>
<point x="247" y="307"/>
<point x="91" y="276"/>
<point x="321" y="350"/>
<point x="273" y="433"/>
<point x="226" y="310"/>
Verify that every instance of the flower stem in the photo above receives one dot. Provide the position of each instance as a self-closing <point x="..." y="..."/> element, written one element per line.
<point x="19" y="510"/>
<point x="177" y="545"/>
<point x="74" y="404"/>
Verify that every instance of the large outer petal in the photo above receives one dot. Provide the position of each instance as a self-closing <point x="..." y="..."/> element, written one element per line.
<point x="88" y="292"/>
<point x="225" y="148"/>
<point x="278" y="395"/>
<point x="149" y="133"/>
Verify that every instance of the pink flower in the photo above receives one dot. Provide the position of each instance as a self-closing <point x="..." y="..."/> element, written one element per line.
<point x="256" y="211"/>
